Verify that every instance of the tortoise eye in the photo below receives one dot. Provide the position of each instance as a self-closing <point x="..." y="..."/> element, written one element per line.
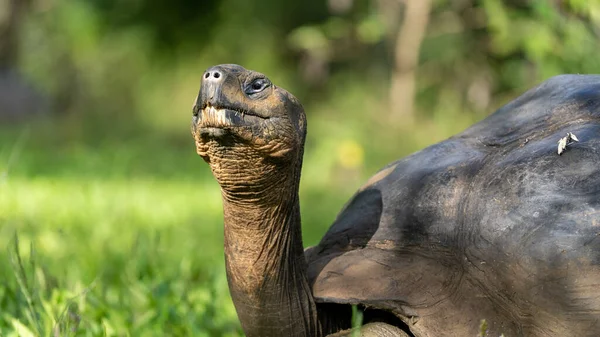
<point x="257" y="86"/>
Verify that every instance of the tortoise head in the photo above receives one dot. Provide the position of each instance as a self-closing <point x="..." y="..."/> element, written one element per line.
<point x="245" y="127"/>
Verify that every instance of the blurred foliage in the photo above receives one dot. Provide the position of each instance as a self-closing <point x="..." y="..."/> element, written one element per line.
<point x="125" y="220"/>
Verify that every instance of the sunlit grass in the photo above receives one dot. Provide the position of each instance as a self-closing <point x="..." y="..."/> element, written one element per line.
<point x="109" y="211"/>
<point x="142" y="257"/>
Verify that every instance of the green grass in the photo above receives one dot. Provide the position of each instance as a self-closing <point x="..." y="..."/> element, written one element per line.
<point x="120" y="257"/>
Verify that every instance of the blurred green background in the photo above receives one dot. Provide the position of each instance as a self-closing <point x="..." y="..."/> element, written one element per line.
<point x="110" y="225"/>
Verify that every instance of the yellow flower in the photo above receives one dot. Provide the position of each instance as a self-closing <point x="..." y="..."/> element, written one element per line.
<point x="350" y="154"/>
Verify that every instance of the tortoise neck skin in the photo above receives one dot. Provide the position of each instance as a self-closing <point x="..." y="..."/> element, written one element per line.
<point x="252" y="133"/>
<point x="266" y="268"/>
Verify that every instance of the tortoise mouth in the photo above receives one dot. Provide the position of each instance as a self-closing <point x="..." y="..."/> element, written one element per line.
<point x="218" y="117"/>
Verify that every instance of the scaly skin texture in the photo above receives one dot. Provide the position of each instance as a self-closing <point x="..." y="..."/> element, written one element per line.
<point x="256" y="156"/>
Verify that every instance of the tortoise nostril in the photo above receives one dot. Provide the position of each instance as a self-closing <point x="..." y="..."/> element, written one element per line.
<point x="214" y="74"/>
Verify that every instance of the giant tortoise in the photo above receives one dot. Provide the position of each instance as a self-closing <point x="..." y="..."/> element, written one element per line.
<point x="492" y="223"/>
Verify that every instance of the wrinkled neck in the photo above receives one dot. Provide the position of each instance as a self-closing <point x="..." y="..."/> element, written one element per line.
<point x="252" y="181"/>
<point x="266" y="268"/>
